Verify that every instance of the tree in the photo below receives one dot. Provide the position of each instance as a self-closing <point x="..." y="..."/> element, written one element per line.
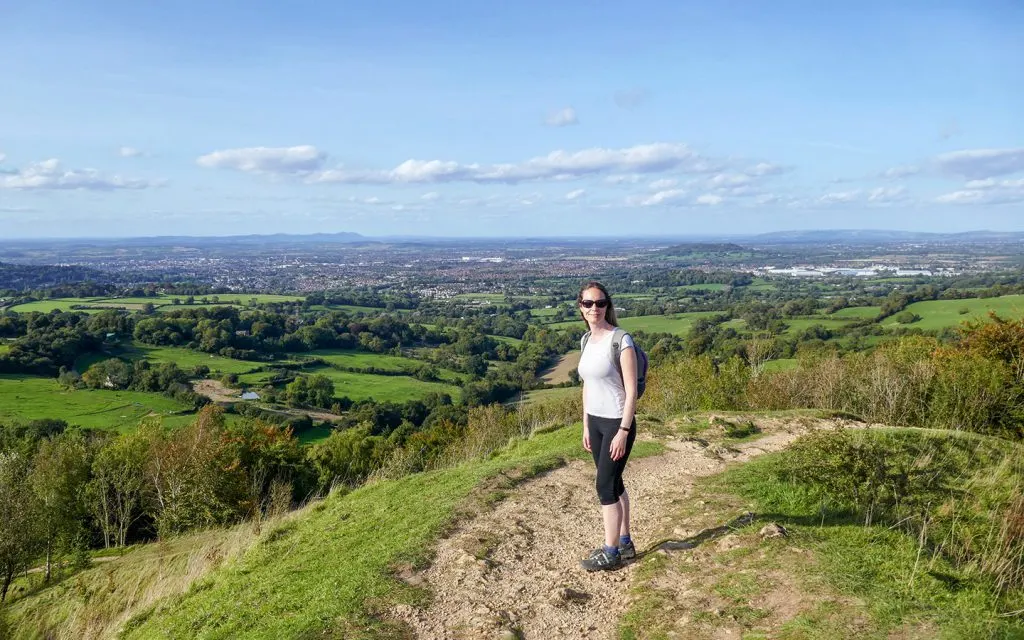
<point x="758" y="352"/>
<point x="116" y="491"/>
<point x="19" y="532"/>
<point x="186" y="471"/>
<point x="60" y="470"/>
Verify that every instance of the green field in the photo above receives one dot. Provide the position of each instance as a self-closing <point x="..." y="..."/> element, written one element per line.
<point x="507" y="340"/>
<point x="545" y="395"/>
<point x="939" y="314"/>
<point x="782" y="364"/>
<point x="363" y="360"/>
<point x="678" y="324"/>
<point x="543" y="313"/>
<point x="184" y="358"/>
<point x="857" y="312"/>
<point x="30" y="398"/>
<point x="492" y="298"/>
<point x="360" y="386"/>
<point x="160" y="302"/>
<point x="711" y="286"/>
<point x="800" y="324"/>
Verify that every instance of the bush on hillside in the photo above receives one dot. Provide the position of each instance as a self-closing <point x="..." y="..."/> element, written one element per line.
<point x="961" y="496"/>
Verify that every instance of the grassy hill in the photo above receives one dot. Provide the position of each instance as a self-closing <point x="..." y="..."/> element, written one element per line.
<point x="338" y="568"/>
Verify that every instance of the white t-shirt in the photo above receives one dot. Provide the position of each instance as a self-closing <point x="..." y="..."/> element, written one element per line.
<point x="603" y="394"/>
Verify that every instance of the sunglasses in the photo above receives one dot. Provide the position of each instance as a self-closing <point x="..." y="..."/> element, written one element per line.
<point x="601" y="304"/>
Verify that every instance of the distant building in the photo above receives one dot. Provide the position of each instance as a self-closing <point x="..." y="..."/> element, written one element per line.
<point x="250" y="395"/>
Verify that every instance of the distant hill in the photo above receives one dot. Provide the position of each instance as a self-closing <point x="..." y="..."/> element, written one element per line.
<point x="690" y="248"/>
<point x="342" y="237"/>
<point x="854" y="236"/>
<point x="23" y="276"/>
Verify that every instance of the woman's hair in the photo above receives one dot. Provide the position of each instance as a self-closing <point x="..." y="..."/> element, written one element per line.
<point x="609" y="311"/>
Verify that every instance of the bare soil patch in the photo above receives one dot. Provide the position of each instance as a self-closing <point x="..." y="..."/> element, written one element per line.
<point x="216" y="391"/>
<point x="560" y="372"/>
<point x="514" y="572"/>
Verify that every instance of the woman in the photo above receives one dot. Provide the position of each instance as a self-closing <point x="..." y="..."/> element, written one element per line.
<point x="609" y="426"/>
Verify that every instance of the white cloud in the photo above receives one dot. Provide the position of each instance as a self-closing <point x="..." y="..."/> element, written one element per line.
<point x="669" y="196"/>
<point x="557" y="165"/>
<point x="882" y="195"/>
<point x="129" y="152"/>
<point x="977" y="164"/>
<point x="709" y="199"/>
<point x="839" y="196"/>
<point x="48" y="174"/>
<point x="430" y="196"/>
<point x="661" y="185"/>
<point x="562" y="118"/>
<point x="899" y="172"/>
<point x="622" y="179"/>
<point x="279" y="160"/>
<point x="575" y="195"/>
<point x="768" y="198"/>
<point x="766" y="169"/>
<point x="728" y="180"/>
<point x="986" y="192"/>
<point x="3" y="157"/>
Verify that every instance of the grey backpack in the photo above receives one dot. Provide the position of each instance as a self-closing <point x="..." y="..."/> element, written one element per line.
<point x="641" y="358"/>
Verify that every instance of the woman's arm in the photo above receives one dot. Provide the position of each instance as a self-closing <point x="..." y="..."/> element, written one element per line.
<point x="586" y="426"/>
<point x="627" y="360"/>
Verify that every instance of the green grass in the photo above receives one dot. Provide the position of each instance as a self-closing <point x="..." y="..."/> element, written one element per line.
<point x="324" y="574"/>
<point x="543" y="313"/>
<point x="544" y="395"/>
<point x="712" y="286"/>
<point x="781" y="364"/>
<point x="30" y="398"/>
<point x="878" y="564"/>
<point x="46" y="306"/>
<point x="187" y="358"/>
<point x="678" y="324"/>
<point x="939" y="314"/>
<point x="802" y="323"/>
<point x="492" y="298"/>
<point x="360" y="386"/>
<point x="858" y="313"/>
<point x="508" y="340"/>
<point x="161" y="302"/>
<point x="364" y="360"/>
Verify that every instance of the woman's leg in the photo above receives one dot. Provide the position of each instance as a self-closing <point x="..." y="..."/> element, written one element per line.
<point x="624" y="509"/>
<point x="612" y="514"/>
<point x="620" y="488"/>
<point x="609" y="476"/>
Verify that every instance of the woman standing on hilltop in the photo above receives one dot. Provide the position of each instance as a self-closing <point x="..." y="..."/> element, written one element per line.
<point x="609" y="425"/>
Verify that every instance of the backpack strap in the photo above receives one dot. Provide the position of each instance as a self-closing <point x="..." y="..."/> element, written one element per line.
<point x="617" y="350"/>
<point x="583" y="341"/>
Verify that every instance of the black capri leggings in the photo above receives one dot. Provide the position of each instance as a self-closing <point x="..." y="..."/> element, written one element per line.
<point x="609" y="472"/>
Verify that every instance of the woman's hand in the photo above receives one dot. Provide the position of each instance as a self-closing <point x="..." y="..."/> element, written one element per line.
<point x="586" y="439"/>
<point x="618" y="446"/>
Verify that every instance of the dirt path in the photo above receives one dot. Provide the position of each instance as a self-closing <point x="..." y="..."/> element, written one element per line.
<point x="515" y="570"/>
<point x="560" y="372"/>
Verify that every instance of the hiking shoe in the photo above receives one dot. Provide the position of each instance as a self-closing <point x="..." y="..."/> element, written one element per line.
<point x="600" y="560"/>
<point x="627" y="552"/>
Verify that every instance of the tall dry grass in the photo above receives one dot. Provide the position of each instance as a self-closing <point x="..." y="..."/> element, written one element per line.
<point x="98" y="602"/>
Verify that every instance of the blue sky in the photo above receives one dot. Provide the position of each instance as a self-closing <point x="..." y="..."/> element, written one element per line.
<point x="520" y="118"/>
